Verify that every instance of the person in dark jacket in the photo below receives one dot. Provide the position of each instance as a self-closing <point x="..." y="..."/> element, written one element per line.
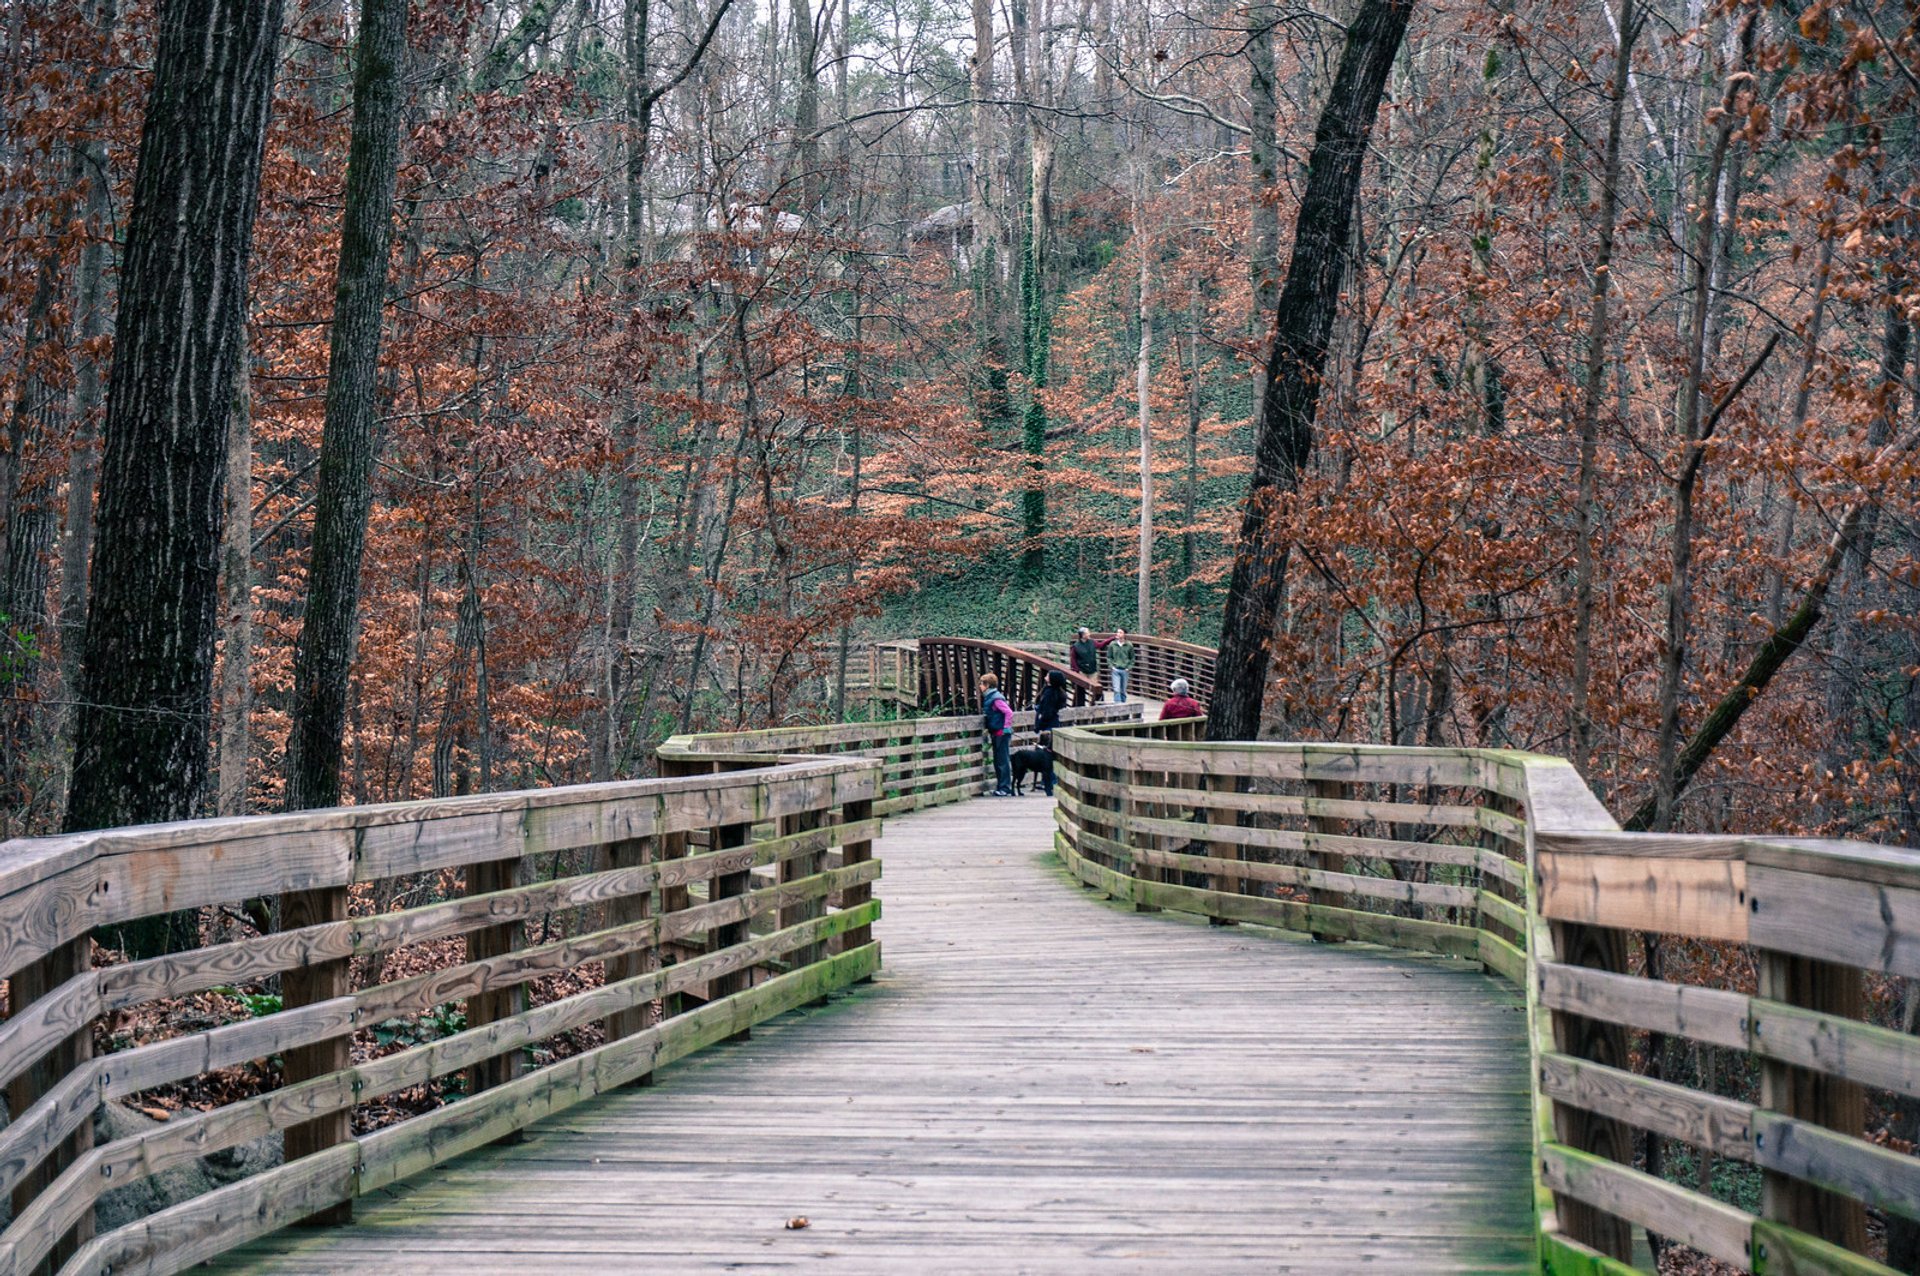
<point x="996" y="714"/>
<point x="1046" y="716"/>
<point x="1083" y="654"/>
<point x="1180" y="704"/>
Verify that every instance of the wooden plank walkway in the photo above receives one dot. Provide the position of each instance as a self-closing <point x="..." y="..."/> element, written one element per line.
<point x="1038" y="1082"/>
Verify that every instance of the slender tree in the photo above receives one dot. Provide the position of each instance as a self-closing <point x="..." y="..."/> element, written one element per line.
<point x="1296" y="362"/>
<point x="324" y="659"/>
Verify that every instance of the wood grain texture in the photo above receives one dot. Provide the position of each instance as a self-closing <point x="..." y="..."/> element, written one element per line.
<point x="1038" y="1083"/>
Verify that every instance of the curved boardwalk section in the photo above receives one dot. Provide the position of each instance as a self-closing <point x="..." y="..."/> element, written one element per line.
<point x="1037" y="1082"/>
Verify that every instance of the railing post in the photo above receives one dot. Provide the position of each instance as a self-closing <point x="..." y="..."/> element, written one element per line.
<point x="503" y="1003"/>
<point x="1815" y="1097"/>
<point x="1597" y="948"/>
<point x="1220" y="817"/>
<point x="1323" y="861"/>
<point x="24" y="987"/>
<point x="727" y="886"/>
<point x="792" y="869"/>
<point x="858" y="851"/>
<point x="304" y="986"/>
<point x="669" y="847"/>
<point x="630" y="853"/>
<point x="1137" y="841"/>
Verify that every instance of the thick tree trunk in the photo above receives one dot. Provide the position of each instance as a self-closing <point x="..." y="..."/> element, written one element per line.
<point x="1297" y="360"/>
<point x="323" y="661"/>
<point x="146" y="678"/>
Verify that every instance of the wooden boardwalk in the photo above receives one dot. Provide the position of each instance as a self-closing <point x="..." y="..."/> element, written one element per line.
<point x="1038" y="1082"/>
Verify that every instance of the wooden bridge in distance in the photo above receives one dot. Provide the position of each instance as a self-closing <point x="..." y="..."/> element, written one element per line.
<point x="1382" y="1017"/>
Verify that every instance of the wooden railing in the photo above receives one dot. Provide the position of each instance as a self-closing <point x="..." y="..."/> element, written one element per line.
<point x="1507" y="860"/>
<point x="560" y="942"/>
<point x="950" y="671"/>
<point x="1158" y="661"/>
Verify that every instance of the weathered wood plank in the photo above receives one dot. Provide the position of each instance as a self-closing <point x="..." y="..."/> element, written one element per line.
<point x="1703" y="899"/>
<point x="1717" y="1230"/>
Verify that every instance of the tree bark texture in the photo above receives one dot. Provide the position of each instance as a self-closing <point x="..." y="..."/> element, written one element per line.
<point x="146" y="677"/>
<point x="1297" y="360"/>
<point x="344" y="496"/>
<point x="1587" y="501"/>
<point x="236" y="587"/>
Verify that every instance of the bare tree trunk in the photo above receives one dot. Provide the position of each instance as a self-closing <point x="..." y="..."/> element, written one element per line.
<point x="1586" y="506"/>
<point x="1783" y="521"/>
<point x="1263" y="147"/>
<point x="323" y="660"/>
<point x="146" y="681"/>
<point x="1673" y="656"/>
<point x="236" y="578"/>
<point x="83" y="458"/>
<point x="1142" y="377"/>
<point x="1843" y="677"/>
<point x="1297" y="361"/>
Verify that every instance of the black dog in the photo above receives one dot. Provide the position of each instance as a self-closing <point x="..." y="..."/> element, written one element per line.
<point x="1034" y="762"/>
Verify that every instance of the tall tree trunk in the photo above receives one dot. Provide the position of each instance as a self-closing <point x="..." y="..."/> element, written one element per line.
<point x="984" y="259"/>
<point x="236" y="579"/>
<point x="83" y="457"/>
<point x="1193" y="445"/>
<point x="1263" y="150"/>
<point x="1586" y="502"/>
<point x="1143" y="380"/>
<point x="1843" y="675"/>
<point x="1783" y="517"/>
<point x="323" y="661"/>
<point x="146" y="677"/>
<point x="26" y="535"/>
<point x="806" y="107"/>
<point x="1296" y="362"/>
<point x="1673" y="655"/>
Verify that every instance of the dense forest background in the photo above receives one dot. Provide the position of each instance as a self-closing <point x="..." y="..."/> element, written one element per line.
<point x="723" y="337"/>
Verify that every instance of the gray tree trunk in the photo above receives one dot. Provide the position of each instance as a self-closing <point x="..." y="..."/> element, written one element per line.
<point x="1297" y="360"/>
<point x="140" y="749"/>
<point x="323" y="661"/>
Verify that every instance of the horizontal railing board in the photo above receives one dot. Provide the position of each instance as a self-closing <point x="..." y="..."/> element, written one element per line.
<point x="1720" y="1125"/>
<point x="1705" y="899"/>
<point x="1386" y="888"/>
<point x="1716" y="1230"/>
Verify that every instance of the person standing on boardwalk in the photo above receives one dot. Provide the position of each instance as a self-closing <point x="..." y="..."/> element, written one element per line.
<point x="1083" y="654"/>
<point x="1046" y="716"/>
<point x="1120" y="662"/>
<point x="996" y="713"/>
<point x="1180" y="704"/>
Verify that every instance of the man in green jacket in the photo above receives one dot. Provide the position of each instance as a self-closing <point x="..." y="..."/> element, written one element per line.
<point x="1119" y="663"/>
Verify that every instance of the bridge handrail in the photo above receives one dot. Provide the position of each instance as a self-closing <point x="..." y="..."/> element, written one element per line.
<point x="950" y="670"/>
<point x="1507" y="859"/>
<point x="605" y="870"/>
